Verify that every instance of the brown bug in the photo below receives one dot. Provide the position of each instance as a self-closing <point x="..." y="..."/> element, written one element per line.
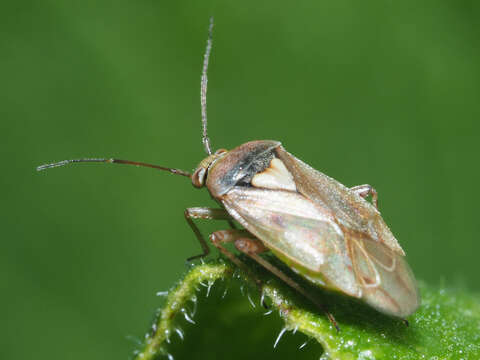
<point x="324" y="231"/>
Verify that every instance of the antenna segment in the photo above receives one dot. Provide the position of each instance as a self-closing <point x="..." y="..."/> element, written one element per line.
<point x="205" y="138"/>
<point x="203" y="89"/>
<point x="113" y="161"/>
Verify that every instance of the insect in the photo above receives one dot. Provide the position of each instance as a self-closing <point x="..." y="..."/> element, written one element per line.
<point x="322" y="230"/>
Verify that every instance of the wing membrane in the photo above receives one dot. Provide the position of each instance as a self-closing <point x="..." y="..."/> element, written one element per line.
<point x="387" y="282"/>
<point x="297" y="229"/>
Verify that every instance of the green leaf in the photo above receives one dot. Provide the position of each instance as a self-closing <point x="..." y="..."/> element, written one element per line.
<point x="447" y="325"/>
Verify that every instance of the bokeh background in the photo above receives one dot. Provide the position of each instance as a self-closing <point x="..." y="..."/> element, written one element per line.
<point x="379" y="92"/>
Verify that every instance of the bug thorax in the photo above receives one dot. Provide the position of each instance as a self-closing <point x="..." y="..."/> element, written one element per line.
<point x="200" y="174"/>
<point x="245" y="166"/>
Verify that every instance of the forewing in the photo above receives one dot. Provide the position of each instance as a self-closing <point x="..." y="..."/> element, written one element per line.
<point x="296" y="228"/>
<point x="386" y="280"/>
<point x="349" y="208"/>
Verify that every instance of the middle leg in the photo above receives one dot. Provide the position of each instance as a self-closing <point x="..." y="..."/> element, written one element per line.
<point x="228" y="236"/>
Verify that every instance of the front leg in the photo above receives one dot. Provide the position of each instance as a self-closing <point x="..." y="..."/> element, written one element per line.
<point x="203" y="213"/>
<point x="365" y="190"/>
<point x="218" y="237"/>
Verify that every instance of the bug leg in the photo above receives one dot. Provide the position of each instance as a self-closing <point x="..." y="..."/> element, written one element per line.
<point x="227" y="236"/>
<point x="232" y="224"/>
<point x="203" y="213"/>
<point x="230" y="221"/>
<point x="252" y="247"/>
<point x="365" y="190"/>
<point x="218" y="237"/>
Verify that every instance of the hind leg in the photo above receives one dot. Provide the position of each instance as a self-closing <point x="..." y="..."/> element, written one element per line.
<point x="252" y="247"/>
<point x="365" y="190"/>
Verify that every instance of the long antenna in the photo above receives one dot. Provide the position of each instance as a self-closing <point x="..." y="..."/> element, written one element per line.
<point x="113" y="161"/>
<point x="203" y="89"/>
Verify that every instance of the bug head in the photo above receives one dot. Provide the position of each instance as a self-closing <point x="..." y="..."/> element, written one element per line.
<point x="199" y="176"/>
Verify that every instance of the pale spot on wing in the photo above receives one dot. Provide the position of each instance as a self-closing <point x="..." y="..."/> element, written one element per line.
<point x="275" y="177"/>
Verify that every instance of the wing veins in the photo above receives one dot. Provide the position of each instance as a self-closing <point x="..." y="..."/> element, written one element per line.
<point x="368" y="261"/>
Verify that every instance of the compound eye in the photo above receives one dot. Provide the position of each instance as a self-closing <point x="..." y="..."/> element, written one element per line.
<point x="198" y="177"/>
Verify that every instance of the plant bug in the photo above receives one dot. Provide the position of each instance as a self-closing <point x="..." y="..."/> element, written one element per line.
<point x="324" y="231"/>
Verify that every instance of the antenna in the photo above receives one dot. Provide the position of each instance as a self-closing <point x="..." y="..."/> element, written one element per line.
<point x="113" y="161"/>
<point x="205" y="138"/>
<point x="203" y="89"/>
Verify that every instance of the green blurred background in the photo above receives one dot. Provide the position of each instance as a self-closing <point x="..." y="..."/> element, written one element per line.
<point x="380" y="92"/>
